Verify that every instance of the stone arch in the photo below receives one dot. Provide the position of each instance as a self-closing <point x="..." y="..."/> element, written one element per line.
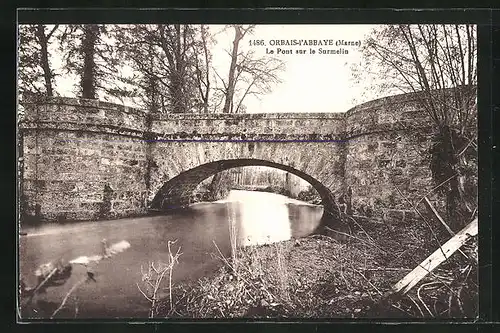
<point x="177" y="191"/>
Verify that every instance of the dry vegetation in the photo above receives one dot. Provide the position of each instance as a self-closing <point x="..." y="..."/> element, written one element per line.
<point x="336" y="274"/>
<point x="153" y="276"/>
<point x="327" y="276"/>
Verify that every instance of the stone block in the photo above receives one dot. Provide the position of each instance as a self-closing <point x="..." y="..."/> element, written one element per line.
<point x="91" y="205"/>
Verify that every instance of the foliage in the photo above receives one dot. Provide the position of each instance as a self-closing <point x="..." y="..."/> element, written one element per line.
<point x="169" y="66"/>
<point x="89" y="53"/>
<point x="35" y="73"/>
<point x="162" y="68"/>
<point x="309" y="195"/>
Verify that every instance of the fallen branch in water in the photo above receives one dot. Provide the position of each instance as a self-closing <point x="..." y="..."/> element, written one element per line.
<point x="40" y="285"/>
<point x="49" y="274"/>
<point x="57" y="273"/>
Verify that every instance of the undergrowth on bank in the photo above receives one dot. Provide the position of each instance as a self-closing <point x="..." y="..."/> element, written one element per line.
<point x="321" y="276"/>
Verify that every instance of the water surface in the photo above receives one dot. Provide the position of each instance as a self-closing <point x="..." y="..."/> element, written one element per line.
<point x="255" y="217"/>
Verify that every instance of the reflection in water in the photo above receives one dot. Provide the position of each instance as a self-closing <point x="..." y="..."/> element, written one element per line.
<point x="258" y="217"/>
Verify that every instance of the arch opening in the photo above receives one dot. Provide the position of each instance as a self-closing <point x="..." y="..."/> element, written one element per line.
<point x="178" y="191"/>
<point x="257" y="179"/>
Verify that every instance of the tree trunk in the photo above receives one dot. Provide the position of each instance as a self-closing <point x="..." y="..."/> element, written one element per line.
<point x="215" y="186"/>
<point x="207" y="68"/>
<point x="89" y="77"/>
<point x="152" y="91"/>
<point x="177" y="72"/>
<point x="176" y="93"/>
<point x="445" y="168"/>
<point x="44" y="58"/>
<point x="232" y="69"/>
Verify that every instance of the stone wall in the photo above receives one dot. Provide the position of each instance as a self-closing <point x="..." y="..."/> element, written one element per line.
<point x="388" y="156"/>
<point x="82" y="160"/>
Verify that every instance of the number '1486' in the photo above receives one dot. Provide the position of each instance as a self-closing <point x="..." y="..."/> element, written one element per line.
<point x="256" y="42"/>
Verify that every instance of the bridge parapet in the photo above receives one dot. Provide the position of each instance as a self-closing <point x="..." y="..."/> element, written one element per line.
<point x="306" y="126"/>
<point x="62" y="113"/>
<point x="387" y="143"/>
<point x="399" y="112"/>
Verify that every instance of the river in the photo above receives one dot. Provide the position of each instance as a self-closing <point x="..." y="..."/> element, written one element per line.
<point x="257" y="218"/>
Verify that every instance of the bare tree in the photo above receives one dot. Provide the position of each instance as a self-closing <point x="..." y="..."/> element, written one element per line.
<point x="43" y="40"/>
<point x="175" y="41"/>
<point x="247" y="74"/>
<point x="239" y="33"/>
<point x="146" y="81"/>
<point x="259" y="77"/>
<point x="438" y="64"/>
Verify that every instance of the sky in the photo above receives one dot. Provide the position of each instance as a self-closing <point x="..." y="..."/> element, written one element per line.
<point x="310" y="82"/>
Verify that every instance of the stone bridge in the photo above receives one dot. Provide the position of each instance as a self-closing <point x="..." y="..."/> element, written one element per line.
<point x="87" y="159"/>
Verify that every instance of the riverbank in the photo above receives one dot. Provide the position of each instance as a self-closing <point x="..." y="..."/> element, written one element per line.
<point x="204" y="194"/>
<point x="323" y="277"/>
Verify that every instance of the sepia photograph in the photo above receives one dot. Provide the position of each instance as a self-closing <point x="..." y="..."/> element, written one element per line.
<point x="269" y="171"/>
